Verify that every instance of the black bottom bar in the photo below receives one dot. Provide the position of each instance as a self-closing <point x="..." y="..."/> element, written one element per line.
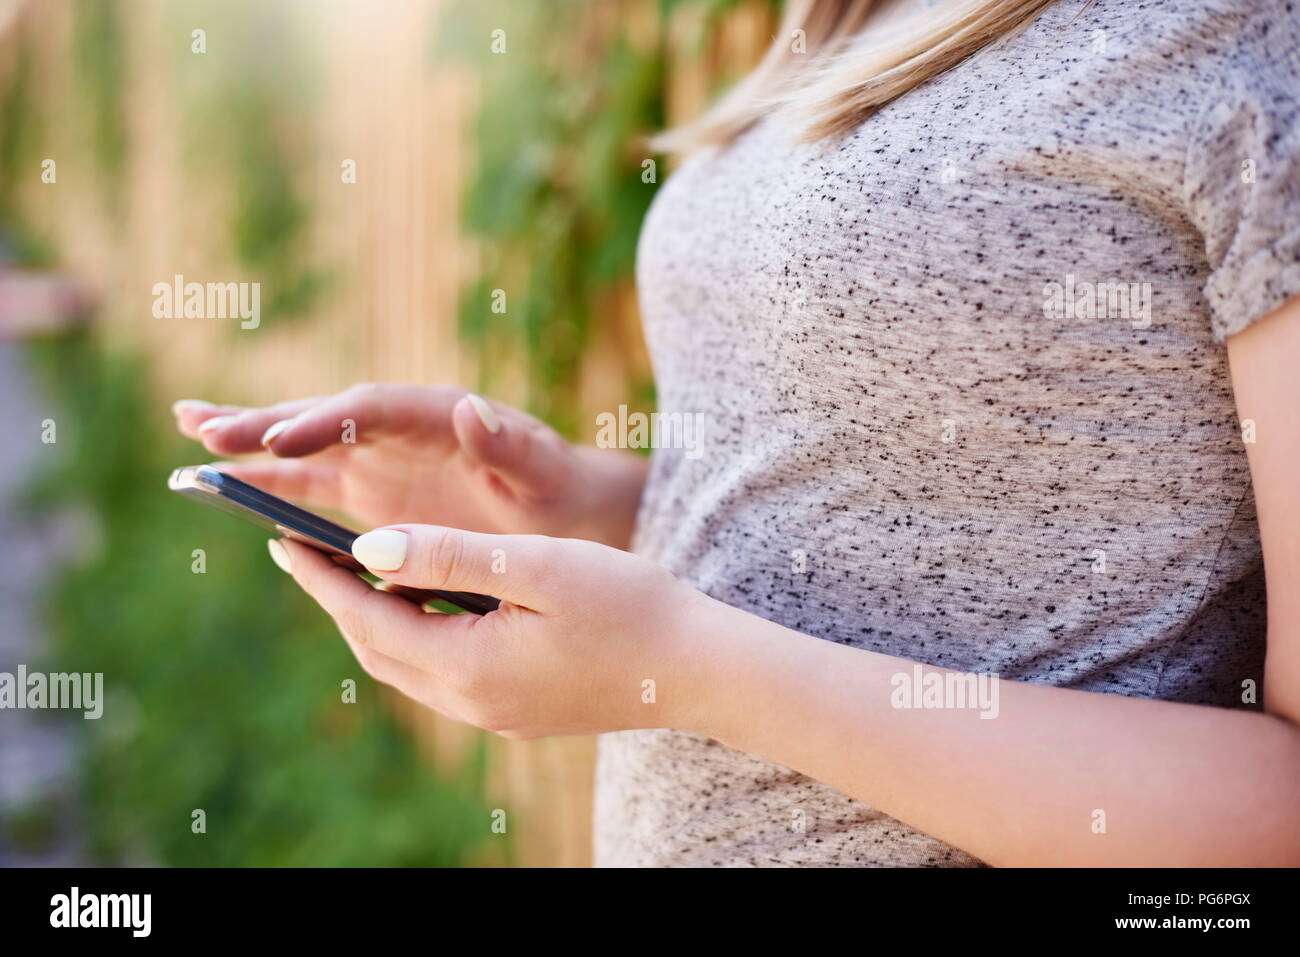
<point x="931" y="909"/>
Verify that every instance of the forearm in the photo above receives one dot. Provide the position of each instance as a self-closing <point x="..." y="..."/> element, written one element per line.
<point x="1177" y="784"/>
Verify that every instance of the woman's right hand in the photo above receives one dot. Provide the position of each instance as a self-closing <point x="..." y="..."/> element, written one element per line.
<point x="433" y="455"/>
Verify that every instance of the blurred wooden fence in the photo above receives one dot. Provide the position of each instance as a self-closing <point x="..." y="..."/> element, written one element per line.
<point x="390" y="241"/>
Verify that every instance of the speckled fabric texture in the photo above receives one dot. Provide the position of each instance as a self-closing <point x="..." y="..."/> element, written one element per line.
<point x="916" y="444"/>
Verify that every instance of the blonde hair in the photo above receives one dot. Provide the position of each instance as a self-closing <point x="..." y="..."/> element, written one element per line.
<point x="809" y="73"/>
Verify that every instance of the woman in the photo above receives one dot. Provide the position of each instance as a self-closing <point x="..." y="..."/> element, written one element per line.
<point x="969" y="566"/>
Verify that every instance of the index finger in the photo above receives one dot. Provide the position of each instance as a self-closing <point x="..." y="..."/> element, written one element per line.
<point x="365" y="411"/>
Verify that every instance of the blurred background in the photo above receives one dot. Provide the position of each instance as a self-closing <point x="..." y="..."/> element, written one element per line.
<point x="382" y="168"/>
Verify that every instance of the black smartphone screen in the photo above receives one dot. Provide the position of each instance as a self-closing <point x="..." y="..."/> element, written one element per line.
<point x="214" y="487"/>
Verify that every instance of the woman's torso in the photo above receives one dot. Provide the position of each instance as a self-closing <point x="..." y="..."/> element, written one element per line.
<point x="907" y="449"/>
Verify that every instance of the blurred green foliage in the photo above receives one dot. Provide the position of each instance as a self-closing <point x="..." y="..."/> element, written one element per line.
<point x="20" y="130"/>
<point x="223" y="689"/>
<point x="556" y="190"/>
<point x="244" y="101"/>
<point x="97" y="48"/>
<point x="557" y="193"/>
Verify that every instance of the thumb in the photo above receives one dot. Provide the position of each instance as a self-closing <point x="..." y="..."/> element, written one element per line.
<point x="513" y="568"/>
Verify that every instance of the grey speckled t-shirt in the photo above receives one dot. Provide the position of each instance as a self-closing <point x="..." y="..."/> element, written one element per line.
<point x="913" y="444"/>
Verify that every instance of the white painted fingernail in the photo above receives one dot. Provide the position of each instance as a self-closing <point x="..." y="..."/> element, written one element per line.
<point x="215" y="423"/>
<point x="384" y="549"/>
<point x="486" y="414"/>
<point x="279" y="555"/>
<point x="275" y="430"/>
<point x="186" y="405"/>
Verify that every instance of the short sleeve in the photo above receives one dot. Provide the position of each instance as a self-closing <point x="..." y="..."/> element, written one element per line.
<point x="1242" y="176"/>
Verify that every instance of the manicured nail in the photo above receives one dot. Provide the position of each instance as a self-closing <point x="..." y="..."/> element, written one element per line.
<point x="384" y="549"/>
<point x="279" y="555"/>
<point x="486" y="414"/>
<point x="275" y="430"/>
<point x="187" y="405"/>
<point x="215" y="423"/>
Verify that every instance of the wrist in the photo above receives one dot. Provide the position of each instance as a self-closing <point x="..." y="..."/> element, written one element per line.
<point x="607" y="487"/>
<point x="714" y="652"/>
<point x="747" y="681"/>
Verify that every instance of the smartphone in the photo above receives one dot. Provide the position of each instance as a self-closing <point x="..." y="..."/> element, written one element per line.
<point x="214" y="487"/>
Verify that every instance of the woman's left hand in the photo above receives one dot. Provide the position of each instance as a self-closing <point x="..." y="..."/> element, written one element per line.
<point x="587" y="639"/>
